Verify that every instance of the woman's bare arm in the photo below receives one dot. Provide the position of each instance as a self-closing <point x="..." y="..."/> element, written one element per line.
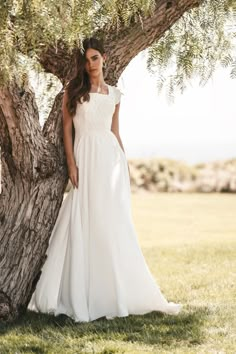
<point x="68" y="142"/>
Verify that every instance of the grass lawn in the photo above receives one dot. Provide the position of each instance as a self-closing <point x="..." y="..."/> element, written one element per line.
<point x="189" y="241"/>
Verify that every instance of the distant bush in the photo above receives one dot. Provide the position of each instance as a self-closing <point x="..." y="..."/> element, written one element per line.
<point x="166" y="175"/>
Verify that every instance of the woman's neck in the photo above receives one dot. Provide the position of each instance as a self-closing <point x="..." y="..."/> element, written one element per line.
<point x="97" y="81"/>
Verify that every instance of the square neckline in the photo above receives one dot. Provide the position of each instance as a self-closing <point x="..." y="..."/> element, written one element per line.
<point x="103" y="94"/>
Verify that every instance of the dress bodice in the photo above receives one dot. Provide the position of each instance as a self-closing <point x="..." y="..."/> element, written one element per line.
<point x="96" y="115"/>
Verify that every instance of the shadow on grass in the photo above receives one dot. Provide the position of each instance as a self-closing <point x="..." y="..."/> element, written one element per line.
<point x="153" y="328"/>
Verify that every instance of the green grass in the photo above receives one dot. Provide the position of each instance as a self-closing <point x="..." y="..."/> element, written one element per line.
<point x="189" y="241"/>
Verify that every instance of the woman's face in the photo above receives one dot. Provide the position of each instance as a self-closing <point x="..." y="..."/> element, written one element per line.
<point x="94" y="62"/>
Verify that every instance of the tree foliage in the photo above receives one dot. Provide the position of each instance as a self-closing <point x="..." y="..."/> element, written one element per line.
<point x="27" y="27"/>
<point x="201" y="40"/>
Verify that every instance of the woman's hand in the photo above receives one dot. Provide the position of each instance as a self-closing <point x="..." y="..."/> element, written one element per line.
<point x="74" y="175"/>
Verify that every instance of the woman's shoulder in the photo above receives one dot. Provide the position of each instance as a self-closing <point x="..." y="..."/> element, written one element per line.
<point x="114" y="88"/>
<point x="116" y="93"/>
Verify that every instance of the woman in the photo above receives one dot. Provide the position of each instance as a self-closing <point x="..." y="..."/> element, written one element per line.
<point x="94" y="265"/>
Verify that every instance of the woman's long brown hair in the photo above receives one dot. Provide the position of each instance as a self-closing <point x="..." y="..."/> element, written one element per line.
<point x="79" y="86"/>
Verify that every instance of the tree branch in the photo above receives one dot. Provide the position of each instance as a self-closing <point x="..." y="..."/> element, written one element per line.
<point x="128" y="42"/>
<point x="32" y="154"/>
<point x="121" y="46"/>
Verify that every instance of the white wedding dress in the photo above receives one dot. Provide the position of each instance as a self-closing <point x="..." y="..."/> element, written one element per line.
<point x="94" y="264"/>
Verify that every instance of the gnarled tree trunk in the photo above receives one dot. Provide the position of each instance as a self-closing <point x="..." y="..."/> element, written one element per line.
<point x="34" y="174"/>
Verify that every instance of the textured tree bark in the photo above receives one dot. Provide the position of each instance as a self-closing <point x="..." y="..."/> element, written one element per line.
<point x="34" y="173"/>
<point x="34" y="178"/>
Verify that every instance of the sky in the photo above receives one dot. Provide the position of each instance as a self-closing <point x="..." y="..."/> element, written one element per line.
<point x="200" y="126"/>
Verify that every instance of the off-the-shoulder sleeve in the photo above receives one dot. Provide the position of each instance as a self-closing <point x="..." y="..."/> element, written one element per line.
<point x="117" y="94"/>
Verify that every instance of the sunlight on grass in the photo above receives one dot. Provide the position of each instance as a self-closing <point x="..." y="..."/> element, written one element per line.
<point x="189" y="242"/>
